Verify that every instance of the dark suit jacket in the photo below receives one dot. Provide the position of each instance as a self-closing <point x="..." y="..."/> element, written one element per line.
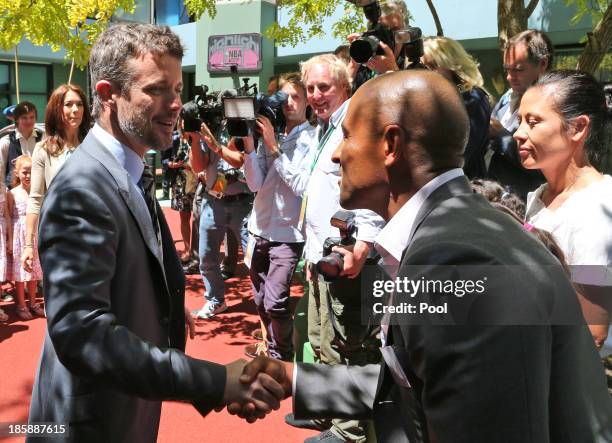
<point x="115" y="309"/>
<point x="474" y="383"/>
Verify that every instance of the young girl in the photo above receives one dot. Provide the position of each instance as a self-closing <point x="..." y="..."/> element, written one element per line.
<point x="6" y="239"/>
<point x="20" y="192"/>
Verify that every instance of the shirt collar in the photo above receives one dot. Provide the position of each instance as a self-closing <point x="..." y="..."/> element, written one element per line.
<point x="394" y="237"/>
<point x="297" y="130"/>
<point x="19" y="135"/>
<point x="127" y="158"/>
<point x="336" y="116"/>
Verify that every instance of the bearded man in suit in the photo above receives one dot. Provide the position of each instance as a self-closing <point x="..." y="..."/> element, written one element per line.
<point x="515" y="364"/>
<point x="114" y="287"/>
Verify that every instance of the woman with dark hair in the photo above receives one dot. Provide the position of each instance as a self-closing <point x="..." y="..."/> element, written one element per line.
<point x="67" y="121"/>
<point x="563" y="132"/>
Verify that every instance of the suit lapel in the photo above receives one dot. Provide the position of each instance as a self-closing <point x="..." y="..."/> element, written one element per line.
<point x="130" y="194"/>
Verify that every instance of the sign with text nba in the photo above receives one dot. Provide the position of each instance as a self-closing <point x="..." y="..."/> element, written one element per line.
<point x="242" y="51"/>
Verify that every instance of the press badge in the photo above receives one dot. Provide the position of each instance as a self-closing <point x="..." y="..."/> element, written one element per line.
<point x="218" y="188"/>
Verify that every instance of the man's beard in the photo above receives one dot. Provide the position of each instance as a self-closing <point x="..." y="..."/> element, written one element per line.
<point x="136" y="125"/>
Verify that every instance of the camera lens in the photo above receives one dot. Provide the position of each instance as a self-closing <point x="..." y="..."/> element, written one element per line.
<point x="363" y="48"/>
<point x="331" y="266"/>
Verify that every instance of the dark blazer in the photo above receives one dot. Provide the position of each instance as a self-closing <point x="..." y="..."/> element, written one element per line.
<point x="115" y="310"/>
<point x="473" y="383"/>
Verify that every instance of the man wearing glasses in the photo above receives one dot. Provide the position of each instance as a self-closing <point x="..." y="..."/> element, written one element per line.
<point x="527" y="56"/>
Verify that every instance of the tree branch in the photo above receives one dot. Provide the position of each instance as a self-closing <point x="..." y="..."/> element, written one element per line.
<point x="530" y="7"/>
<point x="434" y="13"/>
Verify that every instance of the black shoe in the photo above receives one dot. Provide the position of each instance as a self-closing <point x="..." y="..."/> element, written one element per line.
<point x="193" y="267"/>
<point x="226" y="274"/>
<point x="325" y="437"/>
<point x="304" y="424"/>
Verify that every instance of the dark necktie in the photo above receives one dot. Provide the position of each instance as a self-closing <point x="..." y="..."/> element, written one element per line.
<point x="147" y="186"/>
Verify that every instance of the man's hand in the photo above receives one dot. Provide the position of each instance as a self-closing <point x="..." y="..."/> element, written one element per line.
<point x="253" y="391"/>
<point x="354" y="257"/>
<point x="277" y="370"/>
<point x="383" y="63"/>
<point x="267" y="132"/>
<point x="209" y="138"/>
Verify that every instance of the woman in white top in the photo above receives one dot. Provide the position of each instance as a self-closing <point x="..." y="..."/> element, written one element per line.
<point x="67" y="121"/>
<point x="563" y="132"/>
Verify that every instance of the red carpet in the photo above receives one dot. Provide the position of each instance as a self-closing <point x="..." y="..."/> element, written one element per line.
<point x="221" y="339"/>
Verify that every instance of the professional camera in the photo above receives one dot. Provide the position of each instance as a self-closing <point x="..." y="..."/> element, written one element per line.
<point x="205" y="108"/>
<point x="368" y="44"/>
<point x="332" y="263"/>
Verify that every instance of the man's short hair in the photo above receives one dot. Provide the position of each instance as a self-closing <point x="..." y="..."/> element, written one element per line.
<point x="122" y="42"/>
<point x="338" y="69"/>
<point x="389" y="7"/>
<point x="539" y="46"/>
<point x="292" y="78"/>
<point x="24" y="108"/>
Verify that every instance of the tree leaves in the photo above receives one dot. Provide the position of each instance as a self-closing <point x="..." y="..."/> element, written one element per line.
<point x="71" y="24"/>
<point x="307" y="17"/>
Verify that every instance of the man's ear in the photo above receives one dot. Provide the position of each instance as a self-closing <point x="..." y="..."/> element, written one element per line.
<point x="580" y="128"/>
<point x="105" y="91"/>
<point x="393" y="139"/>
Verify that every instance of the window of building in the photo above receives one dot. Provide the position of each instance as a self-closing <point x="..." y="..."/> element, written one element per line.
<point x="34" y="86"/>
<point x="171" y="12"/>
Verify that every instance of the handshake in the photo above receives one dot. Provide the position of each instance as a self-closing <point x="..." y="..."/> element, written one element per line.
<point x="253" y="390"/>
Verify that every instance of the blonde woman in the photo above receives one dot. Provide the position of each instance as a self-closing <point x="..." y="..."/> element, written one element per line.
<point x="67" y="121"/>
<point x="449" y="58"/>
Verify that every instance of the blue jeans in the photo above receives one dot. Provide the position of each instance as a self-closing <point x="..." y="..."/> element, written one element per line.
<point x="217" y="216"/>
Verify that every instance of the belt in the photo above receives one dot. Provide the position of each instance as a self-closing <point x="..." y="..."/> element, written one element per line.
<point x="232" y="198"/>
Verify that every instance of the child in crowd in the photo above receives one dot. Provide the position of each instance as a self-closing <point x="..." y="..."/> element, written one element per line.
<point x="6" y="239"/>
<point x="20" y="192"/>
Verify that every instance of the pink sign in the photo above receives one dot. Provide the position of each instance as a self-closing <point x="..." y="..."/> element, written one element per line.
<point x="240" y="50"/>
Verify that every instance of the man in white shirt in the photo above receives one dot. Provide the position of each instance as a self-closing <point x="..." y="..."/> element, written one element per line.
<point x="278" y="171"/>
<point x="346" y="340"/>
<point x="21" y="141"/>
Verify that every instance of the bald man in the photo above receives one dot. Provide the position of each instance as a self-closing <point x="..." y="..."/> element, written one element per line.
<point x="404" y="135"/>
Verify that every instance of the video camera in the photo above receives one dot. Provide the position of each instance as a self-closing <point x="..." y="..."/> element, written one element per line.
<point x="332" y="263"/>
<point x="242" y="108"/>
<point x="368" y="44"/>
<point x="234" y="110"/>
<point x="205" y="108"/>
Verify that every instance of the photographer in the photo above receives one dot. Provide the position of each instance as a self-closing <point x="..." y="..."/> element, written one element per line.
<point x="278" y="172"/>
<point x="226" y="203"/>
<point x="394" y="16"/>
<point x="335" y="331"/>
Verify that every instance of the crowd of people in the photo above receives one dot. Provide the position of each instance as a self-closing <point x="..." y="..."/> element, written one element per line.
<point x="434" y="172"/>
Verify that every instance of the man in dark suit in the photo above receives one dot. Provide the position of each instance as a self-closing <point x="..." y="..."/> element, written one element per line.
<point x="114" y="288"/>
<point x="518" y="364"/>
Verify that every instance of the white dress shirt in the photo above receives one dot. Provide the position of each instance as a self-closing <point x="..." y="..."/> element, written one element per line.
<point x="394" y="237"/>
<point x="279" y="184"/>
<point x="323" y="193"/>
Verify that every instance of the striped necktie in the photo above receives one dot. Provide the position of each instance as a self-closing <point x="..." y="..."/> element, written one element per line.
<point x="147" y="186"/>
